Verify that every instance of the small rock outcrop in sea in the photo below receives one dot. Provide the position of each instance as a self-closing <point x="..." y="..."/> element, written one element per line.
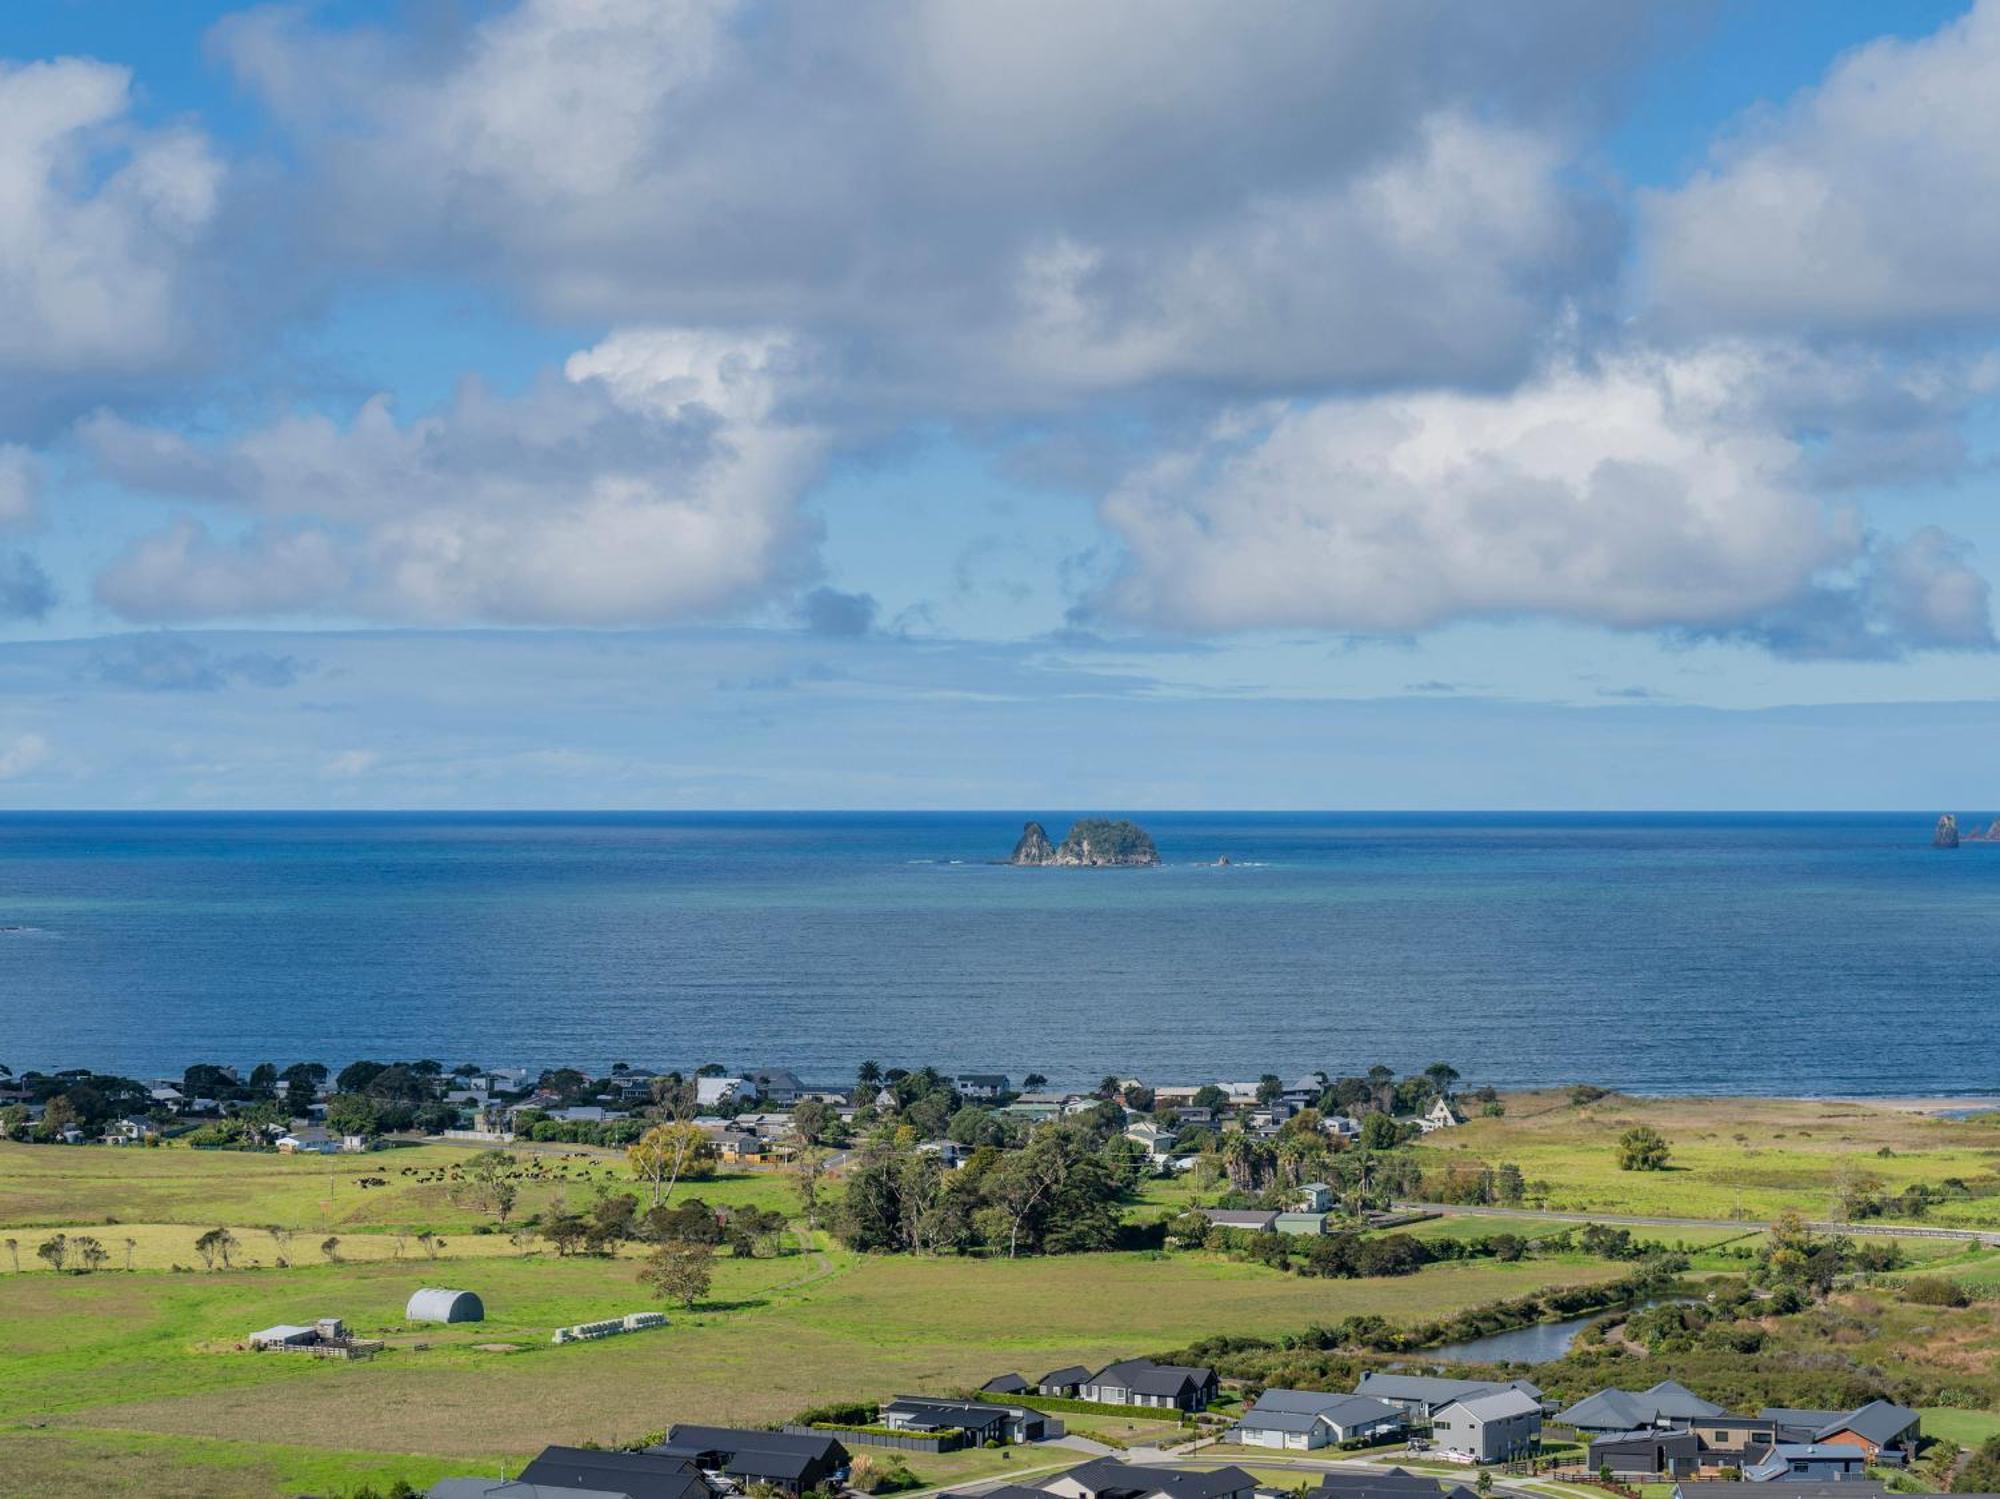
<point x="1092" y="842"/>
<point x="1947" y="832"/>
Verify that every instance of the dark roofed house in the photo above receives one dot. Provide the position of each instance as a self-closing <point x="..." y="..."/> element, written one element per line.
<point x="1387" y="1483"/>
<point x="1062" y="1383"/>
<point x="790" y="1461"/>
<point x="1852" y="1488"/>
<point x="1108" y="1478"/>
<point x="1611" y="1412"/>
<point x="639" y="1475"/>
<point x="1006" y="1384"/>
<point x="1886" y="1433"/>
<point x="982" y="1421"/>
<point x="1301" y="1420"/>
<point x="1140" y="1381"/>
<point x="1808" y="1462"/>
<point x="501" y="1488"/>
<point x="1646" y="1451"/>
<point x="1421" y="1394"/>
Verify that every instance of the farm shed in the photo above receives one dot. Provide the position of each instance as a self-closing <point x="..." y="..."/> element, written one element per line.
<point x="432" y="1304"/>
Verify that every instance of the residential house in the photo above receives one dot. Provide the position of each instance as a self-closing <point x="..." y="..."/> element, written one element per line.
<point x="1884" y="1433"/>
<point x="1140" y="1381"/>
<point x="1342" y="1126"/>
<point x="1062" y="1383"/>
<point x="1646" y="1451"/>
<point x="1314" y="1197"/>
<point x="1611" y="1410"/>
<point x="712" y="1092"/>
<point x="778" y="1086"/>
<point x="982" y="1086"/>
<point x="1108" y="1478"/>
<point x="1387" y="1483"/>
<point x="1006" y="1384"/>
<point x="1304" y="1093"/>
<point x="1306" y="1225"/>
<point x="1254" y="1222"/>
<point x="949" y="1153"/>
<point x="1150" y="1137"/>
<point x="787" y="1461"/>
<point x="982" y="1421"/>
<point x="1422" y="1395"/>
<point x="130" y="1131"/>
<point x="571" y="1471"/>
<point x="1440" y="1115"/>
<point x="311" y="1139"/>
<point x="1302" y="1420"/>
<point x="1733" y="1441"/>
<point x="1488" y="1428"/>
<point x="1809" y="1462"/>
<point x="1851" y="1488"/>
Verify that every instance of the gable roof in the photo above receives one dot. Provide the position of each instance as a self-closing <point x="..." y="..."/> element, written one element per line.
<point x="1497" y="1405"/>
<point x="1298" y="1410"/>
<point x="1005" y="1384"/>
<point x="1434" y="1389"/>
<point x="639" y="1475"/>
<point x="1144" y="1377"/>
<point x="1073" y="1374"/>
<point x="1628" y="1410"/>
<point x="966" y="1415"/>
<point x="501" y="1488"/>
<point x="1878" y="1421"/>
<point x="1389" y="1483"/>
<point x="782" y="1455"/>
<point x="1109" y="1476"/>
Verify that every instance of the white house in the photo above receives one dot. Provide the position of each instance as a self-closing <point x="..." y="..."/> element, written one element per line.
<point x="1440" y="1115"/>
<point x="711" y="1091"/>
<point x="1302" y="1420"/>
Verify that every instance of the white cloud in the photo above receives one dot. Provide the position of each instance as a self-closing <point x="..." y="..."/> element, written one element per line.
<point x="1871" y="203"/>
<point x="101" y="225"/>
<point x="982" y="205"/>
<point x="22" y="754"/>
<point x="20" y="486"/>
<point x="651" y="482"/>
<point x="1646" y="493"/>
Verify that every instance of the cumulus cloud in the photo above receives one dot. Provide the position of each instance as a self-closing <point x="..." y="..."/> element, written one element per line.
<point x="987" y="205"/>
<point x="650" y="481"/>
<point x="22" y="754"/>
<point x="104" y="227"/>
<point x="172" y="663"/>
<point x="1871" y="203"/>
<point x="1646" y="492"/>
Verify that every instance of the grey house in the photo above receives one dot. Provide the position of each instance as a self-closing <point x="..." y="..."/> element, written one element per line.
<point x="1255" y="1222"/>
<point x="1107" y="1478"/>
<point x="1421" y="1395"/>
<point x="1388" y="1483"/>
<point x="1302" y="1420"/>
<point x="982" y="1421"/>
<point x="1810" y="1462"/>
<point x="1062" y="1383"/>
<point x="788" y="1461"/>
<point x="1488" y="1428"/>
<point x="1645" y="1452"/>
<point x="1140" y="1381"/>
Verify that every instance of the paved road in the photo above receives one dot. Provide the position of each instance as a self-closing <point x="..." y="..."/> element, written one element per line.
<point x="1627" y="1220"/>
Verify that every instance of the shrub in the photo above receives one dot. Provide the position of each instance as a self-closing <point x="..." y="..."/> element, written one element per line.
<point x="1935" y="1290"/>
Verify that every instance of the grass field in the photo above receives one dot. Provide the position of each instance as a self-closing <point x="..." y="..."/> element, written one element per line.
<point x="1747" y="1159"/>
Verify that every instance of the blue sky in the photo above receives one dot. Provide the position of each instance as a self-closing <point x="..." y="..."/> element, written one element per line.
<point x="726" y="403"/>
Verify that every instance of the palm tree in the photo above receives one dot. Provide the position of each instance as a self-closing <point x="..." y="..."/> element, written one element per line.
<point x="869" y="1074"/>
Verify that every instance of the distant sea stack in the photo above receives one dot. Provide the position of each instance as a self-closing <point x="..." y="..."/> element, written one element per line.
<point x="1946" y="835"/>
<point x="1091" y="843"/>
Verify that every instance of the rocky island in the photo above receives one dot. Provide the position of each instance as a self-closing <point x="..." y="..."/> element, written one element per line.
<point x="1092" y="843"/>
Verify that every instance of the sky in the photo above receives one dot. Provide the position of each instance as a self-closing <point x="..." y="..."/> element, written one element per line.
<point x="1131" y="404"/>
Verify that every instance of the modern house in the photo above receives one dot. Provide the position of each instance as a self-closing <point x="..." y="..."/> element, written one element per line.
<point x="1488" y="1428"/>
<point x="709" y="1092"/>
<point x="1006" y="1384"/>
<point x="1062" y="1383"/>
<point x="1140" y="1381"/>
<point x="1388" y="1483"/>
<point x="788" y="1461"/>
<point x="1809" y="1462"/>
<point x="571" y="1471"/>
<point x="1884" y="1433"/>
<point x="1664" y="1404"/>
<point x="982" y="1421"/>
<point x="778" y="1086"/>
<point x="1302" y="1420"/>
<point x="1852" y="1488"/>
<point x="983" y="1086"/>
<point x="1107" y="1478"/>
<point x="1422" y="1395"/>
<point x="1643" y="1452"/>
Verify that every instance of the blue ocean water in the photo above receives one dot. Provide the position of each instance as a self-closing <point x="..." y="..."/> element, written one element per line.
<point x="1774" y="954"/>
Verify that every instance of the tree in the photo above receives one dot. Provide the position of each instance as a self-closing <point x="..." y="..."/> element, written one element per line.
<point x="281" y="1237"/>
<point x="216" y="1244"/>
<point x="1033" y="1081"/>
<point x="669" y="1153"/>
<point x="355" y="1077"/>
<point x="1209" y="1097"/>
<point x="1642" y="1148"/>
<point x="808" y="1166"/>
<point x="13" y="1248"/>
<point x="130" y="1245"/>
<point x="811" y="1118"/>
<point x="1270" y="1087"/>
<point x="330" y="1247"/>
<point x="92" y="1254"/>
<point x="1380" y="1132"/>
<point x="679" y="1271"/>
<point x="352" y="1113"/>
<point x="489" y="1183"/>
<point x="1442" y="1076"/>
<point x="55" y="1250"/>
<point x="868" y="1074"/>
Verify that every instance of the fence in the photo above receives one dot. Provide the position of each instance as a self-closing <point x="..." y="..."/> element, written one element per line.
<point x="585" y="1332"/>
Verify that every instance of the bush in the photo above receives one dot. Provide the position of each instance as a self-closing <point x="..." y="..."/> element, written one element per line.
<point x="1935" y="1290"/>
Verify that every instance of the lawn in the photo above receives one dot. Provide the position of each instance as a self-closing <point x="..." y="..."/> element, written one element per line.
<point x="1733" y="1159"/>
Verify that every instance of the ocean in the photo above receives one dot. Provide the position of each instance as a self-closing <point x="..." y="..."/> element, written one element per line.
<point x="1740" y="953"/>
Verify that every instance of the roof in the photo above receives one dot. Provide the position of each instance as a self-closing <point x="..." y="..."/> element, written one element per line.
<point x="1238" y="1218"/>
<point x="1144" y="1377"/>
<point x="1389" y="1483"/>
<point x="639" y="1475"/>
<point x="1433" y="1389"/>
<point x="1497" y="1405"/>
<point x="284" y="1332"/>
<point x="1786" y="1415"/>
<point x="1109" y="1475"/>
<point x="1073" y="1374"/>
<point x="753" y="1454"/>
<point x="1848" y="1488"/>
<point x="1298" y="1410"/>
<point x="500" y="1488"/>
<point x="1628" y="1410"/>
<point x="966" y="1415"/>
<point x="1786" y="1453"/>
<point x="1878" y="1421"/>
<point x="1005" y="1384"/>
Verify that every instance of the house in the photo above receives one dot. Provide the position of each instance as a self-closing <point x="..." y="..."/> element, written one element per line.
<point x="1440" y="1115"/>
<point x="1302" y="1420"/>
<point x="1062" y="1383"/>
<point x="1107" y="1478"/>
<point x="1809" y="1462"/>
<point x="308" y="1140"/>
<point x="1852" y="1488"/>
<point x="1342" y="1126"/>
<point x="1309" y="1225"/>
<point x="1005" y="1384"/>
<point x="1149" y="1137"/>
<point x="982" y="1421"/>
<point x="788" y="1461"/>
<point x="1884" y="1433"/>
<point x="1664" y="1404"/>
<point x="983" y="1086"/>
<point x="1488" y="1428"/>
<point x="1253" y="1222"/>
<point x="130" y="1131"/>
<point x="779" y="1086"/>
<point x="1387" y="1483"/>
<point x="1314" y="1197"/>
<point x="284" y="1335"/>
<point x="1422" y="1395"/>
<point x="950" y="1154"/>
<point x="711" y="1092"/>
<point x="1140" y="1381"/>
<point x="1733" y="1441"/>
<point x="738" y="1146"/>
<point x="573" y="1471"/>
<point x="1646" y="1451"/>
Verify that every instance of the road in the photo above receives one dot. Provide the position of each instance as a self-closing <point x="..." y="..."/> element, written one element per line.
<point x="1628" y="1220"/>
